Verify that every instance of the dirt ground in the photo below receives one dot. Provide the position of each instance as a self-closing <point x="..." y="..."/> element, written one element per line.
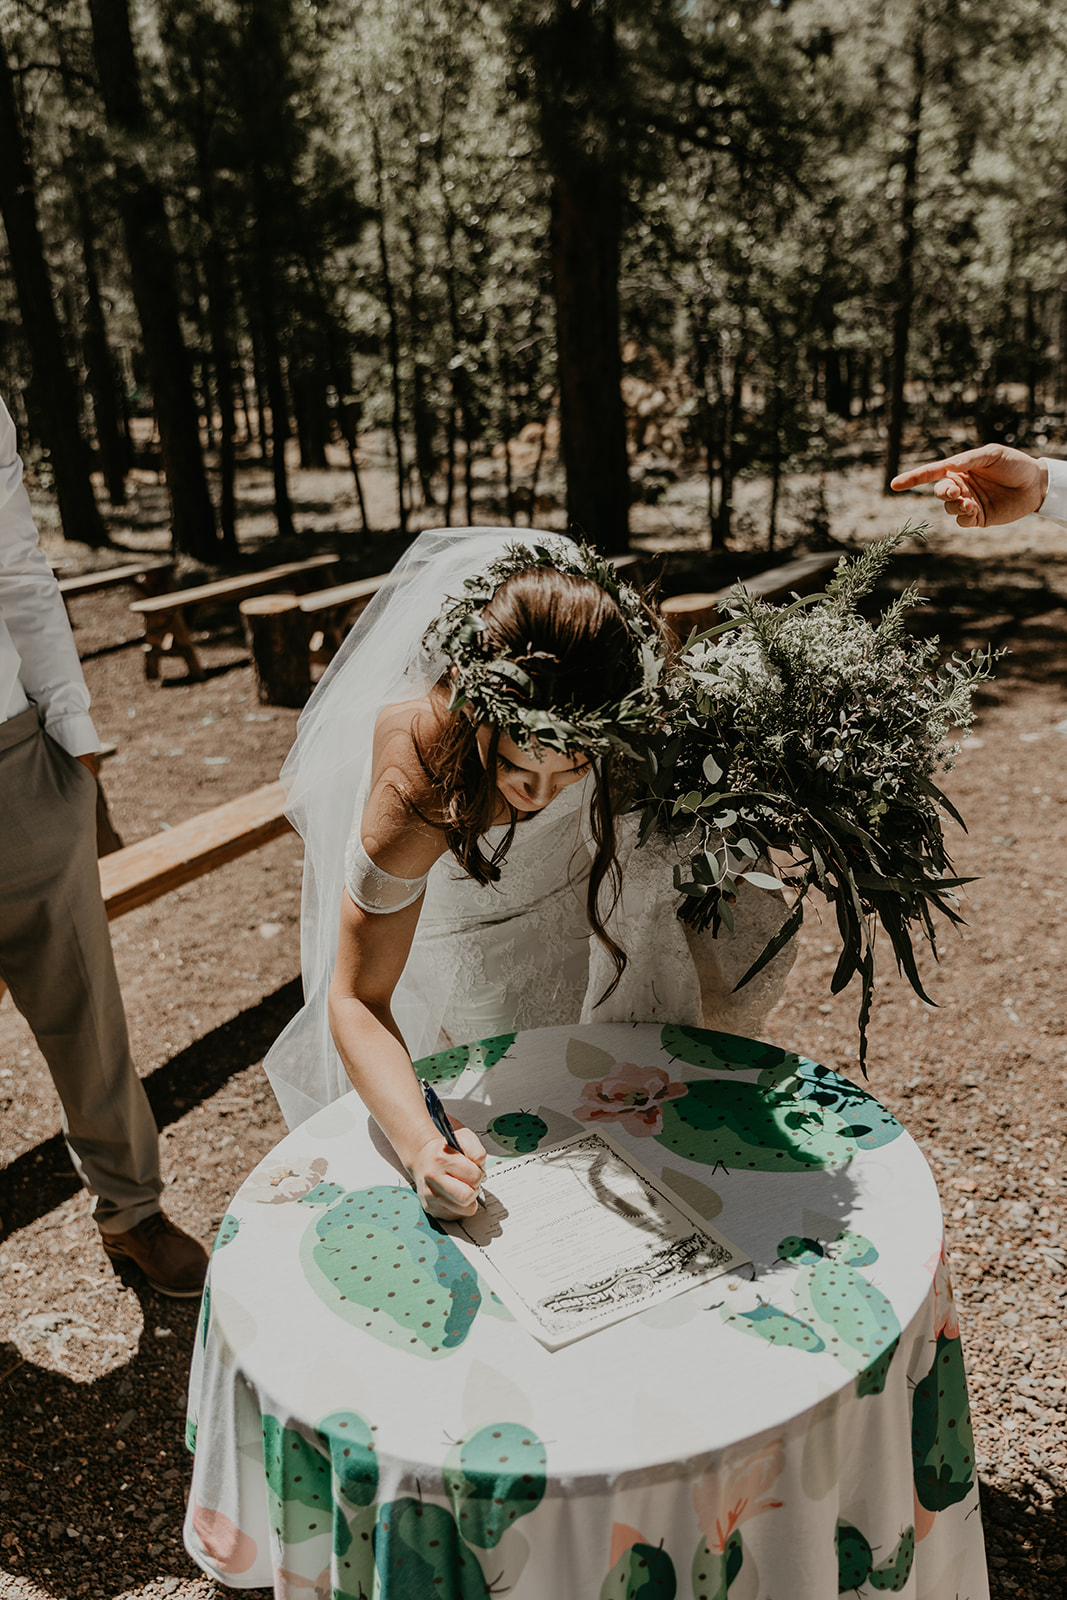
<point x="93" y="1471"/>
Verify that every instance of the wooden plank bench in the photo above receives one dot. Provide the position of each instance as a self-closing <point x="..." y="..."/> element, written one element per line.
<point x="148" y="576"/>
<point x="143" y="871"/>
<point x="166" y="616"/>
<point x="684" y="612"/>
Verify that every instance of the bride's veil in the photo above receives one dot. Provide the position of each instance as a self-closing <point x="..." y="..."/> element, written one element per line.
<point x="382" y="660"/>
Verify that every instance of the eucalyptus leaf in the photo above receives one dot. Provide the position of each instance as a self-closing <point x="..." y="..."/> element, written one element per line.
<point x="761" y="880"/>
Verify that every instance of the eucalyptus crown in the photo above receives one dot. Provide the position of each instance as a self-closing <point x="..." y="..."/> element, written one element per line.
<point x="529" y="699"/>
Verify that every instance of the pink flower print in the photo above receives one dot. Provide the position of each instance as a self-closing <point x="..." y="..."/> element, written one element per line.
<point x="728" y="1495"/>
<point x="946" y="1320"/>
<point x="631" y="1095"/>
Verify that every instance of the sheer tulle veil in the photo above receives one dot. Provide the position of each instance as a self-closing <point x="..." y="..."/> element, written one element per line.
<point x="382" y="660"/>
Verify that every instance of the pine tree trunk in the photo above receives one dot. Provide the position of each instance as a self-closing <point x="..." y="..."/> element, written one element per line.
<point x="572" y="52"/>
<point x="154" y="277"/>
<point x="51" y="394"/>
<point x="585" y="238"/>
<point x="220" y="316"/>
<point x="393" y="330"/>
<point x="102" y="375"/>
<point x="904" y="297"/>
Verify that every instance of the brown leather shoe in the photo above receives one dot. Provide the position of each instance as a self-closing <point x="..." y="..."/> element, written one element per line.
<point x="172" y="1262"/>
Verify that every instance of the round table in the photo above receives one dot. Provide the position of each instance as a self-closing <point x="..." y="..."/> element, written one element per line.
<point x="369" y="1420"/>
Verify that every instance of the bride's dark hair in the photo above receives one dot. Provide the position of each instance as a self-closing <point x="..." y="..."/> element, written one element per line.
<point x="570" y="637"/>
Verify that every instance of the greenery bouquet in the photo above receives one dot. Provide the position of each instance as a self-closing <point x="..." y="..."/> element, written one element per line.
<point x="808" y="730"/>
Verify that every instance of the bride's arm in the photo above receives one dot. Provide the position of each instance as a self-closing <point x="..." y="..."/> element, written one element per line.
<point x="372" y="950"/>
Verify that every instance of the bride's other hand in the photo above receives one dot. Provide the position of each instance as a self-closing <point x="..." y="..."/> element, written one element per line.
<point x="447" y="1181"/>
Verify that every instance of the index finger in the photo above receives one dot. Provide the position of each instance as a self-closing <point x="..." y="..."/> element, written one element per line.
<point x="928" y="473"/>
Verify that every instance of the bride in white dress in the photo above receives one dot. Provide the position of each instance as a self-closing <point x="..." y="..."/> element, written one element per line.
<point x="452" y="781"/>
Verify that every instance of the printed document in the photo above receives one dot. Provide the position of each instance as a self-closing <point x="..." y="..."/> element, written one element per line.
<point x="580" y="1235"/>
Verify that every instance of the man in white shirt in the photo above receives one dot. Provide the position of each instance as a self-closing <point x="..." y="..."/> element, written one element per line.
<point x="992" y="485"/>
<point x="55" y="948"/>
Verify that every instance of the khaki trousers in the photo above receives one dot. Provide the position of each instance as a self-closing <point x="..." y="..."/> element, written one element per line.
<point x="56" y="958"/>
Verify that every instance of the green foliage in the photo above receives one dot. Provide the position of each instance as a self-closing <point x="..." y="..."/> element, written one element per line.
<point x="805" y="728"/>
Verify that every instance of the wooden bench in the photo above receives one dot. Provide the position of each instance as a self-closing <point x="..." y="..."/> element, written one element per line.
<point x="143" y="871"/>
<point x="166" y="616"/>
<point x="148" y="576"/>
<point x="684" y="612"/>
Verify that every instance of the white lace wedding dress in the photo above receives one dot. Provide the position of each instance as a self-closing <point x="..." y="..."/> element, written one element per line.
<point x="519" y="954"/>
<point x="514" y="954"/>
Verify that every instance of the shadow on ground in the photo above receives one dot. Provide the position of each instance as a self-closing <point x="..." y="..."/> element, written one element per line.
<point x="1017" y="604"/>
<point x="93" y="1476"/>
<point x="42" y="1178"/>
<point x="1026" y="1539"/>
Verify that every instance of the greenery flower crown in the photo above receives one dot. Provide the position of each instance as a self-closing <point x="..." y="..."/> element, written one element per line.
<point x="526" y="699"/>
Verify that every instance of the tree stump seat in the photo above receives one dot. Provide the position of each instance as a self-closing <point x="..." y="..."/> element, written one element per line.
<point x="288" y="634"/>
<point x="684" y="612"/>
<point x="166" y="616"/>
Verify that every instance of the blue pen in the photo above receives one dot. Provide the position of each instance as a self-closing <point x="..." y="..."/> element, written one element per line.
<point x="439" y="1118"/>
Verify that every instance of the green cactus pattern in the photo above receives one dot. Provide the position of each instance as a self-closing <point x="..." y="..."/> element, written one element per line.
<point x="520" y="1131"/>
<point x="754" y="1128"/>
<point x="870" y="1124"/>
<point x="853" y="1317"/>
<point x="377" y="1261"/>
<point x="190" y="1435"/>
<point x="714" y="1571"/>
<point x="323" y="1194"/>
<point x="776" y="1327"/>
<point x="942" y="1443"/>
<point x="229" y="1228"/>
<point x="855" y="1562"/>
<point x="349" y="1443"/>
<point x="205" y="1314"/>
<point x="481" y="1055"/>
<point x="835" y="1309"/>
<point x="299" y="1487"/>
<point x="420" y="1555"/>
<point x="700" y="1047"/>
<point x="643" y="1572"/>
<point x="493" y="1478"/>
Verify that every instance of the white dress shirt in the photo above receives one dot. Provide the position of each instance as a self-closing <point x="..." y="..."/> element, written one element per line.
<point x="38" y="657"/>
<point x="1055" y="502"/>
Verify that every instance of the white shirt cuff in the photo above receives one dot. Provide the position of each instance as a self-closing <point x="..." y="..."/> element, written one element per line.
<point x="75" y="733"/>
<point x="1055" y="502"/>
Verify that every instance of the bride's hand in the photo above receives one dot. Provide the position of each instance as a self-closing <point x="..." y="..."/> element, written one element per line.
<point x="447" y="1181"/>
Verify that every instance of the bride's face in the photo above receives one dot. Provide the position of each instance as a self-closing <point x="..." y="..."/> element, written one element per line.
<point x="528" y="777"/>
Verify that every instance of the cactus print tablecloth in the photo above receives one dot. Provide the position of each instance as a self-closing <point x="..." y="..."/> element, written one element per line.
<point x="368" y="1420"/>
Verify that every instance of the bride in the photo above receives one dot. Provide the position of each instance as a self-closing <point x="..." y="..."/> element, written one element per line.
<point x="455" y="780"/>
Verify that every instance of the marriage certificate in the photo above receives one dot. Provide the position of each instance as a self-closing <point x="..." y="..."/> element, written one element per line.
<point x="579" y="1235"/>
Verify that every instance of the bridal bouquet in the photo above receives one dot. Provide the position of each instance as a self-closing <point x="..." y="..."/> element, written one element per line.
<point x="806" y="729"/>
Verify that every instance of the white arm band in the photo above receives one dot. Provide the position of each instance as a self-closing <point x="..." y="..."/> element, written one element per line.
<point x="372" y="889"/>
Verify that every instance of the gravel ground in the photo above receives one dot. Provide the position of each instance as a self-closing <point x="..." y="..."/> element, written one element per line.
<point x="93" y="1471"/>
